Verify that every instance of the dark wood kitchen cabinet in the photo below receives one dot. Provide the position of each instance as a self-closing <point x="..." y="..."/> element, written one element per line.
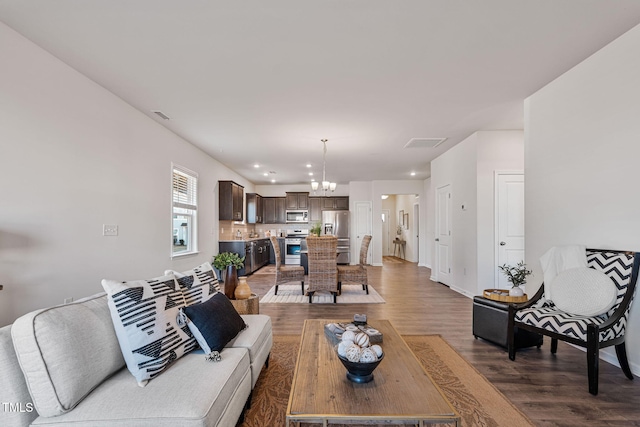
<point x="337" y="203"/>
<point x="297" y="200"/>
<point x="255" y="208"/>
<point x="230" y="201"/>
<point x="273" y="210"/>
<point x="315" y="209"/>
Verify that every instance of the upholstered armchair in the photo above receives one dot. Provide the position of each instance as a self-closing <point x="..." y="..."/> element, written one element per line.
<point x="323" y="271"/>
<point x="356" y="273"/>
<point x="286" y="273"/>
<point x="542" y="315"/>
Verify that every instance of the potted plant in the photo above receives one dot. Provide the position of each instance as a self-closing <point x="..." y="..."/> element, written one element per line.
<point x="517" y="275"/>
<point x="316" y="229"/>
<point x="229" y="262"/>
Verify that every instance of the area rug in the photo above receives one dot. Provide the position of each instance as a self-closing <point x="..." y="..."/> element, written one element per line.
<point x="477" y="401"/>
<point x="351" y="294"/>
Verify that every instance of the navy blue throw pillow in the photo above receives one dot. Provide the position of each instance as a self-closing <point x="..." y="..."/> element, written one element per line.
<point x="214" y="322"/>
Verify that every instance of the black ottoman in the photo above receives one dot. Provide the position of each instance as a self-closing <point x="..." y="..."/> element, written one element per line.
<point x="490" y="319"/>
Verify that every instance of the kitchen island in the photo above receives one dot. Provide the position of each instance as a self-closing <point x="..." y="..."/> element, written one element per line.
<point x="257" y="252"/>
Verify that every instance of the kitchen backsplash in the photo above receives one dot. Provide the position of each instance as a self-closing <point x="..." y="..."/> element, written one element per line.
<point x="229" y="229"/>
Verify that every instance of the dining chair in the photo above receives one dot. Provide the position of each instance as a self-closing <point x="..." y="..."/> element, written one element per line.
<point x="286" y="273"/>
<point x="356" y="273"/>
<point x="323" y="271"/>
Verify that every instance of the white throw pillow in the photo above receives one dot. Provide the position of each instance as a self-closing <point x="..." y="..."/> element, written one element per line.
<point x="198" y="284"/>
<point x="144" y="315"/>
<point x="583" y="291"/>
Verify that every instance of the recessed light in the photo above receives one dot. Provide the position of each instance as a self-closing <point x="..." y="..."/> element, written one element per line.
<point x="308" y="165"/>
<point x="313" y="180"/>
<point x="273" y="180"/>
<point x="310" y="173"/>
<point x="265" y="174"/>
<point x="256" y="165"/>
<point x="413" y="174"/>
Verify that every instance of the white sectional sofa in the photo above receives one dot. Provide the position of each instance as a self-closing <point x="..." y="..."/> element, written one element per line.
<point x="62" y="366"/>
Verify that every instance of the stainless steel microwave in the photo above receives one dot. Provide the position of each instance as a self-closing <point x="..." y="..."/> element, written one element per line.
<point x="297" y="216"/>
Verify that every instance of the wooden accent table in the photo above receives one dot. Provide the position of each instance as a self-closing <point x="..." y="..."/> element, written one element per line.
<point x="250" y="305"/>
<point x="401" y="391"/>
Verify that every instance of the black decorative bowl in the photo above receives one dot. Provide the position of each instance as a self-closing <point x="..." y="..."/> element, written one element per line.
<point x="360" y="372"/>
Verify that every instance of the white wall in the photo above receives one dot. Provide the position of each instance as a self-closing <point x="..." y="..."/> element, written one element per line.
<point x="75" y="157"/>
<point x="427" y="226"/>
<point x="279" y="190"/>
<point x="582" y="156"/>
<point x="497" y="151"/>
<point x="469" y="168"/>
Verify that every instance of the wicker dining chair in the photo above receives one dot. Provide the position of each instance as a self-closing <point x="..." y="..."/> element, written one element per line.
<point x="286" y="273"/>
<point x="323" y="271"/>
<point x="356" y="273"/>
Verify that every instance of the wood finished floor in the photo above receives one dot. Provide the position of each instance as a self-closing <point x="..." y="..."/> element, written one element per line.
<point x="550" y="390"/>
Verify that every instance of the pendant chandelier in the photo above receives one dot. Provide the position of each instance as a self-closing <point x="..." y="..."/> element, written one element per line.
<point x="326" y="185"/>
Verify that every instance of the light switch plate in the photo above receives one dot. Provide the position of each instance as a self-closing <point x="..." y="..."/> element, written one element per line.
<point x="109" y="230"/>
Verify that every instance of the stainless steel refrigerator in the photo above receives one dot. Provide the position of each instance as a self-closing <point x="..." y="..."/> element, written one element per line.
<point x="336" y="223"/>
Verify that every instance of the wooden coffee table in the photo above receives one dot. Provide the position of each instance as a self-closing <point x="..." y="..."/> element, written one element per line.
<point x="400" y="393"/>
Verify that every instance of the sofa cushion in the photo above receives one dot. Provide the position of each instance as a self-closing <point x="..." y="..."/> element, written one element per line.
<point x="192" y="392"/>
<point x="17" y="407"/>
<point x="65" y="352"/>
<point x="144" y="314"/>
<point x="197" y="284"/>
<point x="214" y="322"/>
<point x="583" y="291"/>
<point x="257" y="338"/>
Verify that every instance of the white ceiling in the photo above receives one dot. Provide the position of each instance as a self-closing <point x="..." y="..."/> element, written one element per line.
<point x="264" y="81"/>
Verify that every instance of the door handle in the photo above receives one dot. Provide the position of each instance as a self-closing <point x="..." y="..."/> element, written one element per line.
<point x="502" y="243"/>
<point x="437" y="240"/>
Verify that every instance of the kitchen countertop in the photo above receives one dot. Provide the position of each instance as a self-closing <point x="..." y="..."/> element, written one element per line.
<point x="247" y="239"/>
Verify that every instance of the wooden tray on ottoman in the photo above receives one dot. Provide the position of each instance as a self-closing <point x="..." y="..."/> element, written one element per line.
<point x="503" y="295"/>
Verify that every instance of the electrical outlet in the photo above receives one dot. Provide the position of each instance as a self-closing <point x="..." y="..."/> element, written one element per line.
<point x="109" y="230"/>
<point x="68" y="300"/>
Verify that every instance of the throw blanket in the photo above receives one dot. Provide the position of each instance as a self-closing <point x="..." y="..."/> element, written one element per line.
<point x="560" y="258"/>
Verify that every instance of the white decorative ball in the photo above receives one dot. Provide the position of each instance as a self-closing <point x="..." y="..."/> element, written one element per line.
<point x="377" y="349"/>
<point x="348" y="336"/>
<point x="367" y="356"/>
<point x="343" y="346"/>
<point x="362" y="339"/>
<point x="353" y="353"/>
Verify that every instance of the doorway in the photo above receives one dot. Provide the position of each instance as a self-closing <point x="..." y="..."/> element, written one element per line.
<point x="509" y="211"/>
<point x="386" y="229"/>
<point x="443" y="235"/>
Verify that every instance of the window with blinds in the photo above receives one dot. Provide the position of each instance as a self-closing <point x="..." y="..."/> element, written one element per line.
<point x="184" y="205"/>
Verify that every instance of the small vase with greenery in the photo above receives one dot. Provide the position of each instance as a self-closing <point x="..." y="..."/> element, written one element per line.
<point x="316" y="229"/>
<point x="229" y="262"/>
<point x="517" y="276"/>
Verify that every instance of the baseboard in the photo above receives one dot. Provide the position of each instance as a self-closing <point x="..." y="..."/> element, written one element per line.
<point x="377" y="264"/>
<point x="612" y="359"/>
<point x="462" y="291"/>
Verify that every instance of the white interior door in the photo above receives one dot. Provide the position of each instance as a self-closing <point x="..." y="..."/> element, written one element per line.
<point x="509" y="223"/>
<point x="385" y="232"/>
<point x="415" y="226"/>
<point x="443" y="235"/>
<point x="362" y="228"/>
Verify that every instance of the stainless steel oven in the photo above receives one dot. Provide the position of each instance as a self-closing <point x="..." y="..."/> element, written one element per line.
<point x="293" y="243"/>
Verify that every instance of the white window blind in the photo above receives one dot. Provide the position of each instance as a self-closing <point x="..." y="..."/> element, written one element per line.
<point x="184" y="190"/>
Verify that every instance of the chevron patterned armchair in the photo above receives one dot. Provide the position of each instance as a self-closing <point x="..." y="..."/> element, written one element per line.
<point x="591" y="332"/>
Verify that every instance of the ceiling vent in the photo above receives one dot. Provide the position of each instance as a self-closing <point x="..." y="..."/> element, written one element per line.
<point x="162" y="115"/>
<point x="424" y="142"/>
